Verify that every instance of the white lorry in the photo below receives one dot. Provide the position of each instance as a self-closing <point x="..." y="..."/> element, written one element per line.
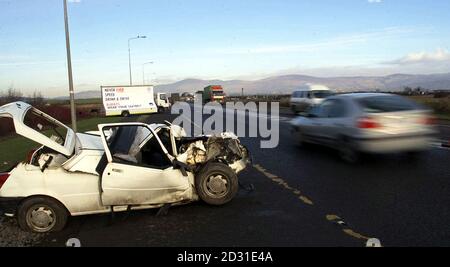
<point x="132" y="100"/>
<point x="162" y="101"/>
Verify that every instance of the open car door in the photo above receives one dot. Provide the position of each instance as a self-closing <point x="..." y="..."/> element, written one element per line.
<point x="139" y="169"/>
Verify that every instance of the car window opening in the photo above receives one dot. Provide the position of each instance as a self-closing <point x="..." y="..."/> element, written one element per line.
<point x="321" y="94"/>
<point x="51" y="129"/>
<point x="384" y="104"/>
<point x="165" y="137"/>
<point x="136" y="145"/>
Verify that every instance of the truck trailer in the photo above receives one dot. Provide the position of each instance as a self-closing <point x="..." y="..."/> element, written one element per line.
<point x="213" y="93"/>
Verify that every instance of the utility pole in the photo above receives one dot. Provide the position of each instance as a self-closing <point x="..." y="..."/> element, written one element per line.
<point x="69" y="70"/>
<point x="129" y="55"/>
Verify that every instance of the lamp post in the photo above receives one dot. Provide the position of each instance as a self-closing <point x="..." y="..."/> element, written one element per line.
<point x="143" y="71"/>
<point x="69" y="70"/>
<point x="129" y="55"/>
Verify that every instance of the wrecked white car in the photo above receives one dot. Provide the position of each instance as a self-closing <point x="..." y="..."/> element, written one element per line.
<point x="123" y="166"/>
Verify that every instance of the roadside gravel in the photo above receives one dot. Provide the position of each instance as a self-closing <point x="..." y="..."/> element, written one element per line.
<point x="12" y="236"/>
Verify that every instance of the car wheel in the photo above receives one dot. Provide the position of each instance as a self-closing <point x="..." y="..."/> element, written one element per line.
<point x="161" y="110"/>
<point x="42" y="215"/>
<point x="126" y="114"/>
<point x="347" y="152"/>
<point x="216" y="184"/>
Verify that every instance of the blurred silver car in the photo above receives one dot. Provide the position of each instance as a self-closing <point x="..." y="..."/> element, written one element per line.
<point x="366" y="122"/>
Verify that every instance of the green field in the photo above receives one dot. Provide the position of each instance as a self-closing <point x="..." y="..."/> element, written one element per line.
<point x="15" y="149"/>
<point x="92" y="101"/>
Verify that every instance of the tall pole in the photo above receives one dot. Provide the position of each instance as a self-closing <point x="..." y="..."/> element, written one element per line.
<point x="69" y="70"/>
<point x="129" y="62"/>
<point x="129" y="55"/>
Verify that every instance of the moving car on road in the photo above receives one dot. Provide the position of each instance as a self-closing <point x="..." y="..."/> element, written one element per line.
<point x="308" y="96"/>
<point x="372" y="123"/>
<point x="123" y="166"/>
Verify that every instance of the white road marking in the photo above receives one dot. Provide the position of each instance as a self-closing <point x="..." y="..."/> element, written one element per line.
<point x="254" y="114"/>
<point x="193" y="123"/>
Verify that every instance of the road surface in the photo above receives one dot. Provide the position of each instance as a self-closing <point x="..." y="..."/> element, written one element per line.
<point x="301" y="197"/>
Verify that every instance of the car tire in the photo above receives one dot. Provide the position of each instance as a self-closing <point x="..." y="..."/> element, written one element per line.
<point x="125" y="114"/>
<point x="216" y="184"/>
<point x="347" y="151"/>
<point x="42" y="215"/>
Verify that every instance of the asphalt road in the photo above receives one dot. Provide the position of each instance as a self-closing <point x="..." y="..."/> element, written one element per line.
<point x="299" y="195"/>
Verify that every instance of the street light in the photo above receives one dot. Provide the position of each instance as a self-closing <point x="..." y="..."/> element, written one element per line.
<point x="129" y="54"/>
<point x="69" y="70"/>
<point x="143" y="71"/>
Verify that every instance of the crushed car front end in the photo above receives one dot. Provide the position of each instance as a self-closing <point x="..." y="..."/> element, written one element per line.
<point x="225" y="148"/>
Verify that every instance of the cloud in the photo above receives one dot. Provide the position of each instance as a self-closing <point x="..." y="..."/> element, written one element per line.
<point x="438" y="56"/>
<point x="74" y="1"/>
<point x="12" y="57"/>
<point x="29" y="63"/>
<point x="374" y="1"/>
<point x="332" y="43"/>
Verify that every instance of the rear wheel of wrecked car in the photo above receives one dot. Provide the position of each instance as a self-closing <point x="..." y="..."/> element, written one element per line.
<point x="42" y="215"/>
<point x="217" y="184"/>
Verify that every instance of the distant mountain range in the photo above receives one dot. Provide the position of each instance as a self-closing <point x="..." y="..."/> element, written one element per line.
<point x="288" y="83"/>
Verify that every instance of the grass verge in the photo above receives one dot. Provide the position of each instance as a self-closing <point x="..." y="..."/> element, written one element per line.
<point x="441" y="106"/>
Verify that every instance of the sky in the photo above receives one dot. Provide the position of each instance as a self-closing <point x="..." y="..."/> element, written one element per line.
<point x="217" y="39"/>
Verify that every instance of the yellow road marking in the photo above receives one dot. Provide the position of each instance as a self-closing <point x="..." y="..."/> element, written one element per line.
<point x="331" y="217"/>
<point x="284" y="184"/>
<point x="352" y="233"/>
<point x="348" y="231"/>
<point x="306" y="200"/>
